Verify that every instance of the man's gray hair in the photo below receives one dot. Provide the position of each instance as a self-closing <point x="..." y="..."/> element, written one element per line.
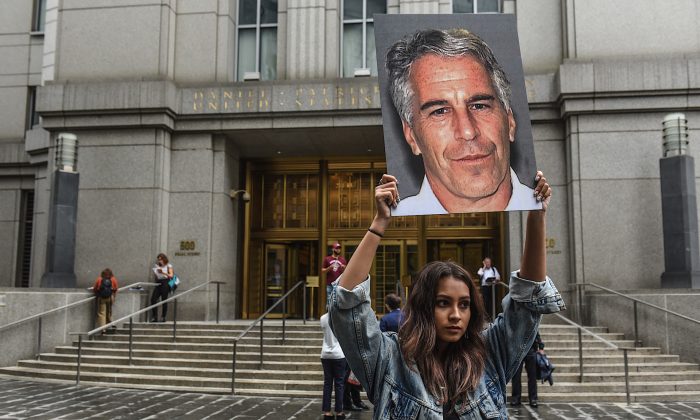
<point x="451" y="43"/>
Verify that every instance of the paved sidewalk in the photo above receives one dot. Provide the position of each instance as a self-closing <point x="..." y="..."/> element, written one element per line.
<point x="47" y="400"/>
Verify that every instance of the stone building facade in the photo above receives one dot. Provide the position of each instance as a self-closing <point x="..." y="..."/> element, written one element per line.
<point x="177" y="103"/>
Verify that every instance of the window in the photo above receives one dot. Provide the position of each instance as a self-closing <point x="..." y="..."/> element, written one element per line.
<point x="476" y="6"/>
<point x="24" y="248"/>
<point x="257" y="38"/>
<point x="32" y="116"/>
<point x="358" y="35"/>
<point x="39" y="16"/>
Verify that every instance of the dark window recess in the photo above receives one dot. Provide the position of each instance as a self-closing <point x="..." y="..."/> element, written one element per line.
<point x="26" y="228"/>
<point x="32" y="115"/>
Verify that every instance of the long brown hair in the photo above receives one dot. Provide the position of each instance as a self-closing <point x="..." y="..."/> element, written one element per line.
<point x="465" y="359"/>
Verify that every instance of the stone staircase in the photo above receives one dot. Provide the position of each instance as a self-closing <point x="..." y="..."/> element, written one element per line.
<point x="200" y="361"/>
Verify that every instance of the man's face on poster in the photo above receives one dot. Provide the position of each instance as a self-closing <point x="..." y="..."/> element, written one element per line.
<point x="460" y="128"/>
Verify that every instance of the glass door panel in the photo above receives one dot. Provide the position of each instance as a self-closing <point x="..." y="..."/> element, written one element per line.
<point x="275" y="275"/>
<point x="387" y="274"/>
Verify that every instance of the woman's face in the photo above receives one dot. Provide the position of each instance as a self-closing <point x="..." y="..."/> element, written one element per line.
<point x="452" y="309"/>
<point x="160" y="261"/>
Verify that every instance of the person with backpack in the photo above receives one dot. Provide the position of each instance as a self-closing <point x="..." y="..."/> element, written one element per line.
<point x="105" y="290"/>
<point x="530" y="363"/>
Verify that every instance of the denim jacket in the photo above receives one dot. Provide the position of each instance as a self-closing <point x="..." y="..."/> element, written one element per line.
<point x="398" y="392"/>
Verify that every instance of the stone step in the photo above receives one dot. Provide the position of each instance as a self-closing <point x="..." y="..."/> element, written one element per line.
<point x="634" y="376"/>
<point x="586" y="344"/>
<point x="225" y="363"/>
<point x="169" y="380"/>
<point x="585" y="337"/>
<point x="618" y="396"/>
<point x="165" y="329"/>
<point x="165" y="341"/>
<point x="183" y="337"/>
<point x="289" y="334"/>
<point x="222" y="369"/>
<point x="619" y="367"/>
<point x="635" y="387"/>
<point x="178" y="354"/>
<point x="639" y="390"/>
<point x="313" y="325"/>
<point x="205" y="347"/>
<point x="617" y="357"/>
<point x="191" y="363"/>
<point x="568" y="351"/>
<point x="143" y="367"/>
<point x="235" y="327"/>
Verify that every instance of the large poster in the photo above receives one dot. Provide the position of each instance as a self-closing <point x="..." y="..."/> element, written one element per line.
<point x="457" y="132"/>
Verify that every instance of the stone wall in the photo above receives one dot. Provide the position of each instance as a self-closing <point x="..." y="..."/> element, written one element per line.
<point x="656" y="328"/>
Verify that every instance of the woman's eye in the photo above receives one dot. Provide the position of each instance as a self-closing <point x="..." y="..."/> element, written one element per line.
<point x="464" y="305"/>
<point x="442" y="303"/>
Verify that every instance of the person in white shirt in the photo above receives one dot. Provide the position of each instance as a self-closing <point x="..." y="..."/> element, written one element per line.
<point x="334" y="366"/>
<point x="489" y="276"/>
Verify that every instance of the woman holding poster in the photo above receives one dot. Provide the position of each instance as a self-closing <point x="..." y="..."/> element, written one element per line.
<point x="442" y="364"/>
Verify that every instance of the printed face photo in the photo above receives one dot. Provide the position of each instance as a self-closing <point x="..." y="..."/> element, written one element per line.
<point x="451" y="100"/>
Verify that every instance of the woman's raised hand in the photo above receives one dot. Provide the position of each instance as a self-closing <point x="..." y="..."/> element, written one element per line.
<point x="386" y="195"/>
<point x="543" y="190"/>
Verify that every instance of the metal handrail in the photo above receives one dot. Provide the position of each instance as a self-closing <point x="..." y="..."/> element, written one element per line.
<point x="39" y="316"/>
<point x="580" y="330"/>
<point x="606" y="342"/>
<point x="635" y="301"/>
<point x="131" y="316"/>
<point x="283" y="301"/>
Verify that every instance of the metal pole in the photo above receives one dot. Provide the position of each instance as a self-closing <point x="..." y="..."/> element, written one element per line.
<point x="284" y="318"/>
<point x="80" y="349"/>
<point x="261" y="343"/>
<point x="131" y="337"/>
<point x="636" y="330"/>
<point x="217" y="302"/>
<point x="303" y="299"/>
<point x="174" y="319"/>
<point x="627" y="376"/>
<point x="233" y="368"/>
<point x="38" y="342"/>
<point x="580" y="356"/>
<point x="579" y="298"/>
<point x="493" y="301"/>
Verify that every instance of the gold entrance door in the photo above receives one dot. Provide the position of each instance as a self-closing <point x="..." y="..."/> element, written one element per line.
<point x="469" y="253"/>
<point x="394" y="263"/>
<point x="285" y="265"/>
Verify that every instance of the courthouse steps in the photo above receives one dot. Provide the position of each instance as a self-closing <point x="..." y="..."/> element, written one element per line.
<point x="200" y="361"/>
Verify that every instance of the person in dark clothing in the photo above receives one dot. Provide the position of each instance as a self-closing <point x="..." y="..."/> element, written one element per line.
<point x="163" y="272"/>
<point x="392" y="320"/>
<point x="352" y="399"/>
<point x="530" y="363"/>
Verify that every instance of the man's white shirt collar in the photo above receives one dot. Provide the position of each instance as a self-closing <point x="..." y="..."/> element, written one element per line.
<point x="425" y="202"/>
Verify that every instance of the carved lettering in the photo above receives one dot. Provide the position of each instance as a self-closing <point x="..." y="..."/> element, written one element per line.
<point x="212" y="101"/>
<point x="250" y="103"/>
<point x="263" y="102"/>
<point x="228" y="98"/>
<point x="198" y="101"/>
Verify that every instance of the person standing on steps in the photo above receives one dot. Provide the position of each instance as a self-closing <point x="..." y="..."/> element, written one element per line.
<point x="105" y="290"/>
<point x="163" y="272"/>
<point x="530" y="363"/>
<point x="333" y="266"/>
<point x="334" y="368"/>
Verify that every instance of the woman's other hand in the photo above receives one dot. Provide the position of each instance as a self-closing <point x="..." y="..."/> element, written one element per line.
<point x="543" y="190"/>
